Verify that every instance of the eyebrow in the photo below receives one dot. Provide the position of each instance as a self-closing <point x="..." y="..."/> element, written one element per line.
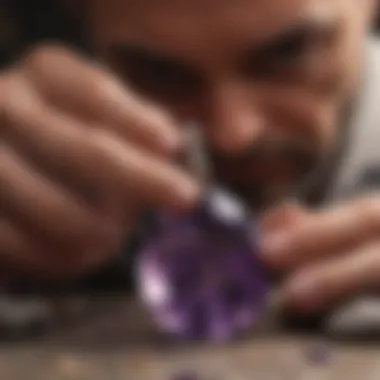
<point x="128" y="52"/>
<point x="304" y="28"/>
<point x="311" y="23"/>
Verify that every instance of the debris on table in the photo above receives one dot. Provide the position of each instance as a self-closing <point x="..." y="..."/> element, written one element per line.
<point x="359" y="319"/>
<point x="69" y="366"/>
<point x="319" y="354"/>
<point x="185" y="375"/>
<point x="21" y="318"/>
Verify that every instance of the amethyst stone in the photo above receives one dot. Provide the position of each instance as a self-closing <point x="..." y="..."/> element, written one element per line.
<point x="198" y="274"/>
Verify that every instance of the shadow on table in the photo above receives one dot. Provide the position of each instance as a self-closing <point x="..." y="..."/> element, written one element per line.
<point x="118" y="323"/>
<point x="107" y="323"/>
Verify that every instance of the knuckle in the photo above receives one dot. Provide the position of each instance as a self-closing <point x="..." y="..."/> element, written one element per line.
<point x="369" y="209"/>
<point x="164" y="123"/>
<point x="159" y="119"/>
<point x="104" y="91"/>
<point x="19" y="104"/>
<point x="157" y="114"/>
<point x="41" y="55"/>
<point x="97" y="89"/>
<point x="4" y="106"/>
<point x="12" y="109"/>
<point x="46" y="61"/>
<point x="11" y="104"/>
<point x="163" y="118"/>
<point x="97" y="153"/>
<point x="38" y="57"/>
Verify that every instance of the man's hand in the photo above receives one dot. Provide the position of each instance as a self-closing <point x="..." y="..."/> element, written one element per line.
<point x="326" y="255"/>
<point x="80" y="157"/>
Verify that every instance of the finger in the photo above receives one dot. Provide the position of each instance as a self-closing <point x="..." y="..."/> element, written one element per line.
<point x="73" y="82"/>
<point x="323" y="233"/>
<point x="18" y="252"/>
<point x="96" y="157"/>
<point x="44" y="208"/>
<point x="319" y="285"/>
<point x="280" y="218"/>
<point x="23" y="255"/>
<point x="14" y="246"/>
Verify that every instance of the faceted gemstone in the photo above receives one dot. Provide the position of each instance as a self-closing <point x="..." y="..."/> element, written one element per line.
<point x="198" y="274"/>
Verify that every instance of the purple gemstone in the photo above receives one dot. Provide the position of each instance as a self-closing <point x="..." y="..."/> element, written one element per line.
<point x="199" y="276"/>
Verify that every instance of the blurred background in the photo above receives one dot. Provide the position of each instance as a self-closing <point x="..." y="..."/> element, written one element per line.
<point x="23" y="22"/>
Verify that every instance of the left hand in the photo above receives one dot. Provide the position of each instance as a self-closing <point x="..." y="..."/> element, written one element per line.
<point x="326" y="254"/>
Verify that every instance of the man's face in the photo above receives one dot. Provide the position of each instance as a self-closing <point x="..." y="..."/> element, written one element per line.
<point x="266" y="80"/>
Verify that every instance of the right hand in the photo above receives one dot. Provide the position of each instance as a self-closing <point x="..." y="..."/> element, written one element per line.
<point x="80" y="158"/>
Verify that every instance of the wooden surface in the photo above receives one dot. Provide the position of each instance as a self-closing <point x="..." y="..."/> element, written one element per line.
<point x="113" y="341"/>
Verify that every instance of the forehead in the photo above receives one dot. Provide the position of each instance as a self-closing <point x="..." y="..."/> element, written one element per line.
<point x="175" y="25"/>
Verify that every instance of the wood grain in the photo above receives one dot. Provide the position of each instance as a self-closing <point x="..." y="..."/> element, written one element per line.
<point x="114" y="340"/>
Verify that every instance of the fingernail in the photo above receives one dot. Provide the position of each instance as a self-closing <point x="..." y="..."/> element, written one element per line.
<point x="168" y="136"/>
<point x="189" y="193"/>
<point x="275" y="245"/>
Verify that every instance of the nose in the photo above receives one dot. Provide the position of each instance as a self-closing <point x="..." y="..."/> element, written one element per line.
<point x="232" y="119"/>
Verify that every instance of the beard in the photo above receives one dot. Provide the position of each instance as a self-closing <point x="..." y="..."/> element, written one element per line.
<point x="272" y="171"/>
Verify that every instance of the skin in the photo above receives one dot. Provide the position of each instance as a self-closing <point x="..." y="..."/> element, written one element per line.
<point x="271" y="119"/>
<point x="257" y="107"/>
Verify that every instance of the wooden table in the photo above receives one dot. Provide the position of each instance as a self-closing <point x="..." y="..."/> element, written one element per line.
<point x="114" y="341"/>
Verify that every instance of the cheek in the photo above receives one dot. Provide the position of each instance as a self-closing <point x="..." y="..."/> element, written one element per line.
<point x="332" y="76"/>
<point x="300" y="113"/>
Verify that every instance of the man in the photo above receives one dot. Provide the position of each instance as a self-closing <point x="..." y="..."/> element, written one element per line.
<point x="286" y="95"/>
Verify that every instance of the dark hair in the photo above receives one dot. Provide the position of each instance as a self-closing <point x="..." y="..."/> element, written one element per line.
<point x="43" y="19"/>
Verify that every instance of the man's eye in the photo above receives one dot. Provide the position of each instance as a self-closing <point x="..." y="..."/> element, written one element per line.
<point x="281" y="58"/>
<point x="290" y="50"/>
<point x="153" y="75"/>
